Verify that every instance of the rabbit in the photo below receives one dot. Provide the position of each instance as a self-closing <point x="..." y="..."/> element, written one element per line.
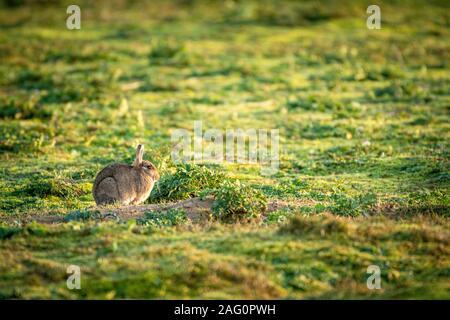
<point x="125" y="184"/>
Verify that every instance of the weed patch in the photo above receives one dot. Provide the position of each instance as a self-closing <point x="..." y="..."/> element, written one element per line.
<point x="344" y="205"/>
<point x="188" y="181"/>
<point x="52" y="187"/>
<point x="169" y="218"/>
<point x="235" y="201"/>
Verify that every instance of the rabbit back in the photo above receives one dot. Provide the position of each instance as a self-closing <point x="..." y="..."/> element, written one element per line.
<point x="106" y="191"/>
<point x="119" y="183"/>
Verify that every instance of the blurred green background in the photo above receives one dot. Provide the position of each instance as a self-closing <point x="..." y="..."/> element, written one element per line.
<point x="364" y="135"/>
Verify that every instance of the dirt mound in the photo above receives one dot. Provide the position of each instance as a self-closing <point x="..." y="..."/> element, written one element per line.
<point x="197" y="210"/>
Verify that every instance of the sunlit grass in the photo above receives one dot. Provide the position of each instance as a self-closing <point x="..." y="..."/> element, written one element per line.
<point x="363" y="120"/>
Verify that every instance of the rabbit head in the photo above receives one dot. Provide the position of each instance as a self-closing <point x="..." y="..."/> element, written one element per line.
<point x="144" y="166"/>
<point x="149" y="168"/>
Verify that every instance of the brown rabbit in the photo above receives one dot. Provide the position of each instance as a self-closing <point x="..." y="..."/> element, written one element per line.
<point x="125" y="184"/>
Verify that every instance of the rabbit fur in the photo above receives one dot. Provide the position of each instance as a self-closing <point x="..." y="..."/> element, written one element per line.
<point x="126" y="184"/>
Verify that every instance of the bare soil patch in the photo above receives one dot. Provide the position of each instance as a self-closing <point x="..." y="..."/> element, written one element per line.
<point x="197" y="210"/>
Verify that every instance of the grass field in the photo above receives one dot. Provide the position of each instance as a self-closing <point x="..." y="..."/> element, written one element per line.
<point x="363" y="117"/>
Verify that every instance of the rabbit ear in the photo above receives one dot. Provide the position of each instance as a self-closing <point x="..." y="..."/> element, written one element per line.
<point x="139" y="155"/>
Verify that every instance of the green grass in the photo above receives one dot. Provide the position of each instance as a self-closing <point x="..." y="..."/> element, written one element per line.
<point x="321" y="257"/>
<point x="364" y="136"/>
